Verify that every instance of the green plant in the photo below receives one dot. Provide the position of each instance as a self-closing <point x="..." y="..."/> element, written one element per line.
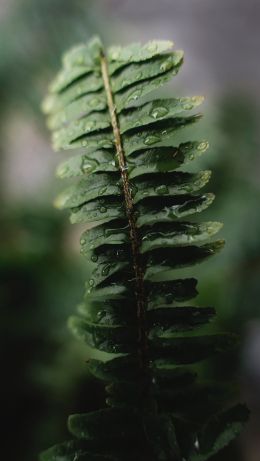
<point x="136" y="309"/>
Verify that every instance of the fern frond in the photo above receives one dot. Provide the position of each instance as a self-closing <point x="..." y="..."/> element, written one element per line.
<point x="134" y="199"/>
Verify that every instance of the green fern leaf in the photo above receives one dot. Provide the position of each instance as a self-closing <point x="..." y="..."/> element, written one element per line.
<point x="134" y="199"/>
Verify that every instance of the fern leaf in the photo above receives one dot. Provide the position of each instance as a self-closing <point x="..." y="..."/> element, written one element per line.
<point x="134" y="199"/>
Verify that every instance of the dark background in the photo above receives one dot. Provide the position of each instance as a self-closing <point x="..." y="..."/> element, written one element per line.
<point x="42" y="275"/>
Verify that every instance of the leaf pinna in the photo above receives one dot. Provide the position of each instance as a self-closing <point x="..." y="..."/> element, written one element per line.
<point x="135" y="202"/>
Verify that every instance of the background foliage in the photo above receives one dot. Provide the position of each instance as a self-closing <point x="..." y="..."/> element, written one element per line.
<point x="41" y="272"/>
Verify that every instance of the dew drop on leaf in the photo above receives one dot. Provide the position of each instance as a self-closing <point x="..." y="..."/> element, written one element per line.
<point x="105" y="144"/>
<point x="115" y="55"/>
<point x="102" y="190"/>
<point x="187" y="106"/>
<point x="162" y="190"/>
<point x="159" y="112"/>
<point x="106" y="269"/>
<point x="134" y="96"/>
<point x="133" y="188"/>
<point x="125" y="83"/>
<point x="139" y="76"/>
<point x="197" y="444"/>
<point x="90" y="125"/>
<point x="151" y="140"/>
<point x="101" y="315"/>
<point x="190" y="238"/>
<point x="166" y="65"/>
<point x="86" y="167"/>
<point x="203" y="146"/>
<point x="63" y="170"/>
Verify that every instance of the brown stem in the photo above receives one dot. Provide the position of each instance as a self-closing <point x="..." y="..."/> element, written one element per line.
<point x="130" y="215"/>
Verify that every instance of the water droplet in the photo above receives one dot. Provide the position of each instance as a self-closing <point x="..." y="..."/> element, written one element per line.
<point x="90" y="125"/>
<point x="94" y="258"/>
<point x="203" y="146"/>
<point x="115" y="55"/>
<point x="86" y="166"/>
<point x="102" y="190"/>
<point x="187" y="106"/>
<point x="197" y="444"/>
<point x="159" y="112"/>
<point x="91" y="282"/>
<point x="134" y="189"/>
<point x="134" y="96"/>
<point x="162" y="189"/>
<point x="106" y="144"/>
<point x="63" y="170"/>
<point x="102" y="209"/>
<point x="146" y="237"/>
<point x="84" y="143"/>
<point x="190" y="238"/>
<point x="166" y="65"/>
<point x="120" y="254"/>
<point x="101" y="315"/>
<point x="168" y="298"/>
<point x="125" y="83"/>
<point x="151" y="140"/>
<point x="82" y="241"/>
<point x="106" y="269"/>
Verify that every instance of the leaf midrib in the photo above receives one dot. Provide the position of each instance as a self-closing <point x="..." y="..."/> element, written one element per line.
<point x="129" y="205"/>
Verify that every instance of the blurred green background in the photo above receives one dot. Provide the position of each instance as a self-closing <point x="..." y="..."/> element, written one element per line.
<point x="42" y="275"/>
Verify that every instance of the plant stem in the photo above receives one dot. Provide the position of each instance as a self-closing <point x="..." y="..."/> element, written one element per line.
<point x="139" y="279"/>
